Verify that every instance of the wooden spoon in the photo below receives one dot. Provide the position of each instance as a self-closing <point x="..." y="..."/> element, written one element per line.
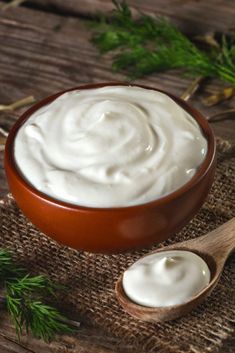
<point x="214" y="247"/>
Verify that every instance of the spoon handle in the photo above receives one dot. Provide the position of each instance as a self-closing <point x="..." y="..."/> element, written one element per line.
<point x="220" y="242"/>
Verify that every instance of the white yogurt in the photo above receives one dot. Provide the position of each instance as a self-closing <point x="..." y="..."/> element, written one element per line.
<point x="166" y="278"/>
<point x="109" y="147"/>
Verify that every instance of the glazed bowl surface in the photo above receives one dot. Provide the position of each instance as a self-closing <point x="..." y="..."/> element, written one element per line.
<point x="111" y="230"/>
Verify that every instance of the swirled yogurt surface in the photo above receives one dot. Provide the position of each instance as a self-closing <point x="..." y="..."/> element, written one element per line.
<point x="166" y="278"/>
<point x="110" y="147"/>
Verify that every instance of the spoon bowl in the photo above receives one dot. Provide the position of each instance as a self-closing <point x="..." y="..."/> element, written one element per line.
<point x="214" y="248"/>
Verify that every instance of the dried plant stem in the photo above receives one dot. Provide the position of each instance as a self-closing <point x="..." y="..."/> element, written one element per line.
<point x="3" y="138"/>
<point x="192" y="88"/>
<point x="219" y="97"/>
<point x="13" y="3"/>
<point x="75" y="324"/>
<point x="2" y="302"/>
<point x="226" y="114"/>
<point x="3" y="132"/>
<point x="189" y="92"/>
<point x="18" y="104"/>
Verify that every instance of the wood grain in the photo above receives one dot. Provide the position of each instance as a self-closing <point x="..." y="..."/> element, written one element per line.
<point x="193" y="16"/>
<point x="87" y="340"/>
<point x="44" y="52"/>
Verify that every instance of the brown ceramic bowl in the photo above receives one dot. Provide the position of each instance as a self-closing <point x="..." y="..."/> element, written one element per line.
<point x="111" y="230"/>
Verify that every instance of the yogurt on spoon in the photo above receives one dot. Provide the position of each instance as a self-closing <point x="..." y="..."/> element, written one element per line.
<point x="166" y="278"/>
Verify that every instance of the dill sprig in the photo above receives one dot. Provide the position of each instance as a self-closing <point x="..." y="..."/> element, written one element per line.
<point x="8" y="269"/>
<point x="150" y="44"/>
<point x="23" y="298"/>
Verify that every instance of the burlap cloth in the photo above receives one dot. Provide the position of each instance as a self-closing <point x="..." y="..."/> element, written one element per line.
<point x="91" y="278"/>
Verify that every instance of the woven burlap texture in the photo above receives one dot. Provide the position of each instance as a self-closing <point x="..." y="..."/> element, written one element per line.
<point x="91" y="278"/>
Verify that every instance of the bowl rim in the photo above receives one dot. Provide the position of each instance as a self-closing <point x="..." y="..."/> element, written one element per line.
<point x="202" y="170"/>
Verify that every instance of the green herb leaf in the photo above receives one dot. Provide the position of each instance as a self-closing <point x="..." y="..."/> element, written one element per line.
<point x="23" y="296"/>
<point x="7" y="267"/>
<point x="151" y="44"/>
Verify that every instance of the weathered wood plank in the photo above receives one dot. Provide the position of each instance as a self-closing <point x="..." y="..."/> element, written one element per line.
<point x="86" y="340"/>
<point x="37" y="59"/>
<point x="193" y="16"/>
<point x="7" y="346"/>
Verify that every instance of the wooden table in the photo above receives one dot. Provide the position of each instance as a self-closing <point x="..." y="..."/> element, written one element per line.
<point x="44" y="48"/>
